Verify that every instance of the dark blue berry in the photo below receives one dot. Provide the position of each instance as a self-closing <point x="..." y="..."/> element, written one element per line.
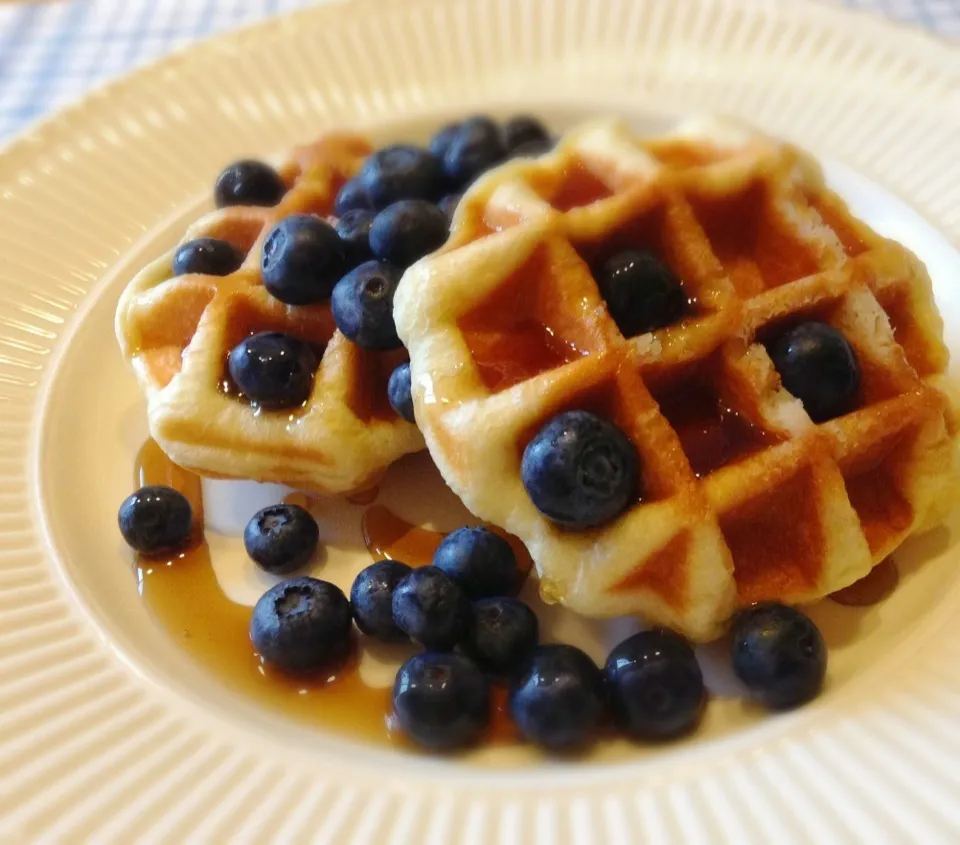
<point x="362" y="305"/>
<point x="354" y="230"/>
<point x="401" y="172"/>
<point x="281" y="538"/>
<point x="580" y="470"/>
<point x="481" y="562"/>
<point x="557" y="700"/>
<point x="642" y="293"/>
<point x="155" y="519"/>
<point x="818" y="365"/>
<point x="248" y="182"/>
<point x="371" y="597"/>
<point x="441" y="701"/>
<point x="779" y="655"/>
<point x="655" y="685"/>
<point x="524" y="129"/>
<point x="407" y="231"/>
<point x="477" y="147"/>
<point x="209" y="256"/>
<point x="448" y="205"/>
<point x="441" y="141"/>
<point x="398" y="392"/>
<point x="301" y="625"/>
<point x="502" y="636"/>
<point x="351" y="196"/>
<point x="431" y="609"/>
<point x="273" y="369"/>
<point x="302" y="259"/>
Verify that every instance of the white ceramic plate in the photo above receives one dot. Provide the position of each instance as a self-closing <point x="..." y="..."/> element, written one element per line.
<point x="109" y="732"/>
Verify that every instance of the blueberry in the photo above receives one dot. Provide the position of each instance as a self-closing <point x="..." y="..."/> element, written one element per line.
<point x="655" y="685"/>
<point x="441" y="141"/>
<point x="524" y="129"/>
<point x="818" y="365"/>
<point x="557" y="700"/>
<point x="401" y="172"/>
<point x="407" y="231"/>
<point x="281" y="538"/>
<point x="209" y="256"/>
<point x="477" y="147"/>
<point x="642" y="293"/>
<point x="303" y="257"/>
<point x="362" y="305"/>
<point x="431" y="609"/>
<point x="354" y="230"/>
<point x="779" y="654"/>
<point x="481" y="562"/>
<point x="502" y="636"/>
<point x="580" y="470"/>
<point x="371" y="597"/>
<point x="351" y="196"/>
<point x="301" y="625"/>
<point x="441" y="700"/>
<point x="155" y="519"/>
<point x="273" y="369"/>
<point x="448" y="205"/>
<point x="248" y="182"/>
<point x="398" y="392"/>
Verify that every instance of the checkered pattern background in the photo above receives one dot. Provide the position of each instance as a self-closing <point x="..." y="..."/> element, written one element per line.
<point x="51" y="53"/>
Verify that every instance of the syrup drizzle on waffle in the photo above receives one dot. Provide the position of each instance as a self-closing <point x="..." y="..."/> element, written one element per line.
<point x="177" y="331"/>
<point x="744" y="497"/>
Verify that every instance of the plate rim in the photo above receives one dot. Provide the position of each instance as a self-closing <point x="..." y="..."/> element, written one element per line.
<point x="34" y="135"/>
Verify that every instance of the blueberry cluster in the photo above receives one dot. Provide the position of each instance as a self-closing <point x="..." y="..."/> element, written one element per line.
<point x="462" y="609"/>
<point x="396" y="210"/>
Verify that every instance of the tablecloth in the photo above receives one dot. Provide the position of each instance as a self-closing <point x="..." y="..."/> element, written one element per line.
<point x="51" y="53"/>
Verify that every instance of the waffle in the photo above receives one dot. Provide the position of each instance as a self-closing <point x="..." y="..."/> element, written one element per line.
<point x="744" y="497"/>
<point x="176" y="332"/>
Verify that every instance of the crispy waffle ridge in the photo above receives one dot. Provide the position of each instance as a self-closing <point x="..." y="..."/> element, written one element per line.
<point x="177" y="332"/>
<point x="744" y="498"/>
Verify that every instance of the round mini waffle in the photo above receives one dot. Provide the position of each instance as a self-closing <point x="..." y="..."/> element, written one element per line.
<point x="177" y="332"/>
<point x="744" y="498"/>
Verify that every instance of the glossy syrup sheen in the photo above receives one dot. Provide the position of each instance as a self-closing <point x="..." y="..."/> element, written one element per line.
<point x="523" y="328"/>
<point x="183" y="594"/>
<point x="711" y="434"/>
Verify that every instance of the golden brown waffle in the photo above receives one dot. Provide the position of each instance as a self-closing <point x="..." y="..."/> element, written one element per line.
<point x="178" y="331"/>
<point x="744" y="497"/>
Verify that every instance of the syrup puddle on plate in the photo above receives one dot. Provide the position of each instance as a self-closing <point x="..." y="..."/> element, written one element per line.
<point x="183" y="594"/>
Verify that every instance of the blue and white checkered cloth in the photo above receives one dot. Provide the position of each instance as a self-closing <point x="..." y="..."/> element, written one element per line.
<point x="51" y="53"/>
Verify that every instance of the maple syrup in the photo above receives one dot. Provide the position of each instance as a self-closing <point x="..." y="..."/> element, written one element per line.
<point x="711" y="434"/>
<point x="756" y="251"/>
<point x="505" y="358"/>
<point x="183" y="594"/>
<point x="579" y="188"/>
<point x="388" y="537"/>
<point x="873" y="588"/>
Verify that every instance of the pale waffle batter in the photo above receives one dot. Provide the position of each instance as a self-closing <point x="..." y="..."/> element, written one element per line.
<point x="177" y="331"/>
<point x="744" y="496"/>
